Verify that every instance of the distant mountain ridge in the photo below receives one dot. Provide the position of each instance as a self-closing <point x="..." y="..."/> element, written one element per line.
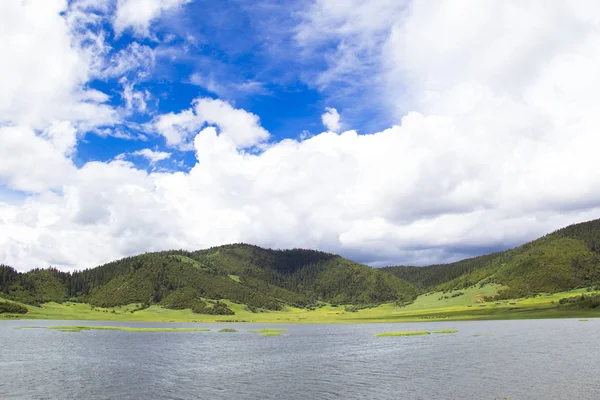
<point x="265" y="279"/>
<point x="566" y="259"/>
<point x="246" y="274"/>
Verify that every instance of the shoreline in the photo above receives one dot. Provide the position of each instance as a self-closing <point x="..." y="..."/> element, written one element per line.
<point x="177" y="316"/>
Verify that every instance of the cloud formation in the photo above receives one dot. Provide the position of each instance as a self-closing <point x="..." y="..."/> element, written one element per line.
<point x="139" y="14"/>
<point x="331" y="119"/>
<point x="44" y="71"/>
<point x="152" y="155"/>
<point x="241" y="128"/>
<point x="494" y="141"/>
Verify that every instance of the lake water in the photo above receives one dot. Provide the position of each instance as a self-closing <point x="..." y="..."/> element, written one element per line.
<point x="535" y="359"/>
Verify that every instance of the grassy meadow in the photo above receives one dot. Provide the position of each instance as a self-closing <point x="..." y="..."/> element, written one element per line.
<point x="79" y="328"/>
<point x="466" y="304"/>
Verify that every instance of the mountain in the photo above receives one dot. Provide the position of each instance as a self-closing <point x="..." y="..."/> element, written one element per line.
<point x="563" y="260"/>
<point x="259" y="278"/>
<point x="264" y="279"/>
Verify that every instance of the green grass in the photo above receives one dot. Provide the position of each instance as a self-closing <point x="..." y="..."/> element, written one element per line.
<point x="79" y="328"/>
<point x="446" y="331"/>
<point x="269" y="331"/>
<point x="228" y="330"/>
<point x="472" y="296"/>
<point x="403" y="333"/>
<point x="426" y="308"/>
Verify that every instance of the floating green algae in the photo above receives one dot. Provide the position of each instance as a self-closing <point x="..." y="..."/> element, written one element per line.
<point x="403" y="333"/>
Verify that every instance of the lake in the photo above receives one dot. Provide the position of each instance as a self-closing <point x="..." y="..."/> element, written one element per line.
<point x="529" y="359"/>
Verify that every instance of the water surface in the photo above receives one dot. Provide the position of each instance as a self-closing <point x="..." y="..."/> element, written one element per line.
<point x="535" y="359"/>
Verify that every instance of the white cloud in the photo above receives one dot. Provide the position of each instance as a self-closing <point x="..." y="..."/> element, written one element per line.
<point x="495" y="144"/>
<point x="139" y="14"/>
<point x="134" y="58"/>
<point x="228" y="90"/>
<point x="62" y="136"/>
<point x="340" y="45"/>
<point x="331" y="119"/>
<point x="338" y="192"/>
<point x="135" y="100"/>
<point x="240" y="127"/>
<point x="348" y="36"/>
<point x="32" y="163"/>
<point x="152" y="155"/>
<point x="177" y="128"/>
<point x="44" y="72"/>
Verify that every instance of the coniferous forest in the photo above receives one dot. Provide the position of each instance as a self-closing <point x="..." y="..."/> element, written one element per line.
<point x="259" y="278"/>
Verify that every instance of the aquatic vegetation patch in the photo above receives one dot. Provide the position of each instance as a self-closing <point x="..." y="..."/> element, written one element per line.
<point x="446" y="331"/>
<point x="74" y="329"/>
<point x="269" y="331"/>
<point x="78" y="328"/>
<point x="484" y="334"/>
<point x="583" y="320"/>
<point x="272" y="333"/>
<point x="403" y="333"/>
<point x="228" y="330"/>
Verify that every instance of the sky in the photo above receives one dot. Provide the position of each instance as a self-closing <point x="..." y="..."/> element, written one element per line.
<point x="390" y="132"/>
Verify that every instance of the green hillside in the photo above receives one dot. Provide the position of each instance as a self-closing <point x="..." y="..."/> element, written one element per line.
<point x="563" y="260"/>
<point x="243" y="274"/>
<point x="429" y="277"/>
<point x="243" y="278"/>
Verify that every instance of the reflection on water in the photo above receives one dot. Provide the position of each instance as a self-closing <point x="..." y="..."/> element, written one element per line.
<point x="541" y="359"/>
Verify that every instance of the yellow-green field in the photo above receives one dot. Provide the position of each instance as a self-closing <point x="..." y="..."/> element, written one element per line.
<point x="79" y="328"/>
<point x="428" y="307"/>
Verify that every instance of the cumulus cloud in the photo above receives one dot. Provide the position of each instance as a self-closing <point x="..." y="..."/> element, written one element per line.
<point x="44" y="102"/>
<point x="139" y="14"/>
<point x="331" y="119"/>
<point x="177" y="128"/>
<point x="338" y="192"/>
<point x="238" y="126"/>
<point x="33" y="164"/>
<point x="494" y="145"/>
<point x="44" y="72"/>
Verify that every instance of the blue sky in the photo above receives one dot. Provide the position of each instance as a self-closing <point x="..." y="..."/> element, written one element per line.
<point x="244" y="54"/>
<point x="391" y="132"/>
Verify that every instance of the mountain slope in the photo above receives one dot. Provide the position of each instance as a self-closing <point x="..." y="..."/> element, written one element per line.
<point x="250" y="275"/>
<point x="428" y="277"/>
<point x="272" y="279"/>
<point x="315" y="275"/>
<point x="566" y="259"/>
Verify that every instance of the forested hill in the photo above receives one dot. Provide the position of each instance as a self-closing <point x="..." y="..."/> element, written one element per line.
<point x="272" y="279"/>
<point x="250" y="275"/>
<point x="566" y="259"/>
